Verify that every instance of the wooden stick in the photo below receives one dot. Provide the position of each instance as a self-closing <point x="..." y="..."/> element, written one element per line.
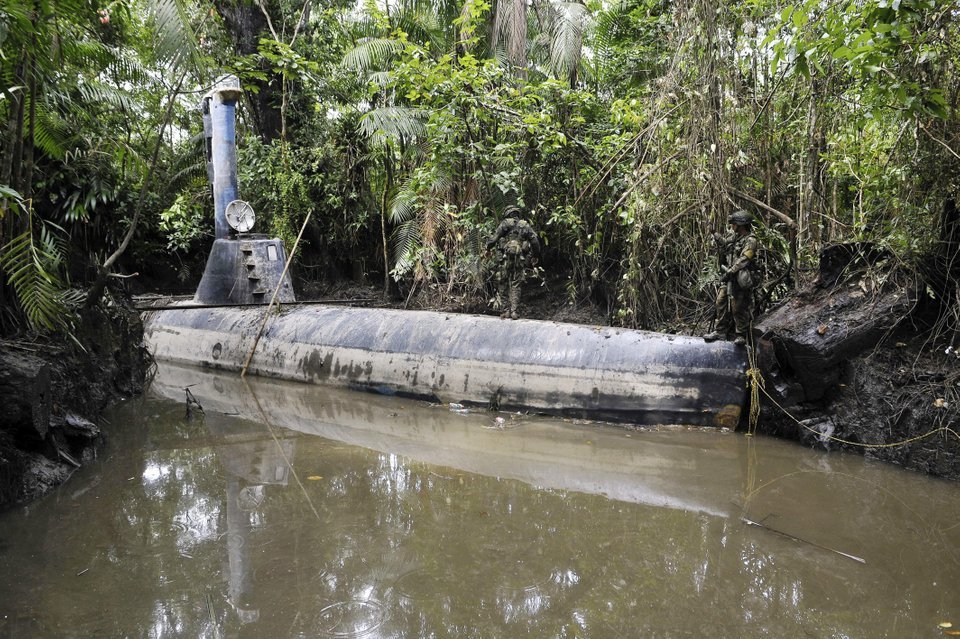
<point x="266" y="315"/>
<point x="758" y="524"/>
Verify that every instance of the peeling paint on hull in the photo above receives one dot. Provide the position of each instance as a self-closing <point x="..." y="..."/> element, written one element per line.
<point x="564" y="369"/>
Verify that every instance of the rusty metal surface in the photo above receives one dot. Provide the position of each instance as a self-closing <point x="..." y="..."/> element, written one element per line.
<point x="565" y="369"/>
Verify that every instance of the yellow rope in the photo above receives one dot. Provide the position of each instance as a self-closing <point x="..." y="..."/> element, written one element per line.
<point x="755" y="379"/>
<point x="940" y="429"/>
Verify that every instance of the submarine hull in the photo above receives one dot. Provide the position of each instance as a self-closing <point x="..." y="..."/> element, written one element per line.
<point x="561" y="369"/>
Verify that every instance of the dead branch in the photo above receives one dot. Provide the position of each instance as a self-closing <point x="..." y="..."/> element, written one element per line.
<point x="783" y="217"/>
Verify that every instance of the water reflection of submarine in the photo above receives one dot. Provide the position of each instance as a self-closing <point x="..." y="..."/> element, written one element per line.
<point x="250" y="463"/>
<point x="651" y="468"/>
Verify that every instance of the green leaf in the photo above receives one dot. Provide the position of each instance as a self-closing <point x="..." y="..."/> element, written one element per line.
<point x="843" y="52"/>
<point x="30" y="268"/>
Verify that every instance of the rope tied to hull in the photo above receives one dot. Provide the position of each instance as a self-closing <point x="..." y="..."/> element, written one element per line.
<point x="756" y="383"/>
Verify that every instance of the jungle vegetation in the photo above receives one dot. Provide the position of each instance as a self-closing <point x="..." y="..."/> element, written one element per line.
<point x="626" y="129"/>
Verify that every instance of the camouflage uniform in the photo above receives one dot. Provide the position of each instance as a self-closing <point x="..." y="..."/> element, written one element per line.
<point x="734" y="304"/>
<point x="517" y="249"/>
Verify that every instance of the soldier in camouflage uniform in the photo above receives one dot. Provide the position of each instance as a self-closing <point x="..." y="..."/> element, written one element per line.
<point x="739" y="276"/>
<point x="517" y="250"/>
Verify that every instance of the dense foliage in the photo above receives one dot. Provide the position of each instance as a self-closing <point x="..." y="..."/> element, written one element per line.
<point x="626" y="131"/>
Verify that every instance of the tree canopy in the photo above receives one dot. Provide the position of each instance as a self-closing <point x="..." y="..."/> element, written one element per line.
<point x="625" y="130"/>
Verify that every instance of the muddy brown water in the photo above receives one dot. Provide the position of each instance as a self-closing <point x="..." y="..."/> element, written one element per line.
<point x="295" y="511"/>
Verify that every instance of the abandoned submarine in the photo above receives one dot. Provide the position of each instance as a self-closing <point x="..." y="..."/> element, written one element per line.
<point x="564" y="369"/>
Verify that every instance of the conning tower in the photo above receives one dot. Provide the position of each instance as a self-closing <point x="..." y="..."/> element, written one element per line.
<point x="243" y="267"/>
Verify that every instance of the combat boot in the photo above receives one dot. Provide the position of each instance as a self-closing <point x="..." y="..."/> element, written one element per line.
<point x="713" y="336"/>
<point x="514" y="300"/>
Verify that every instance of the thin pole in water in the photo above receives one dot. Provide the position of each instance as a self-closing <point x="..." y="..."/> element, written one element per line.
<point x="266" y="315"/>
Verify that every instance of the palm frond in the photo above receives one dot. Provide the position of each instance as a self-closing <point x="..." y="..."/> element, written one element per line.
<point x="16" y="12"/>
<point x="566" y="44"/>
<point x="392" y="123"/>
<point x="403" y="206"/>
<point x="606" y="24"/>
<point x="423" y="25"/>
<point x="510" y="31"/>
<point x="380" y="78"/>
<point x="405" y="245"/>
<point x="439" y="182"/>
<point x="88" y="54"/>
<point x="371" y="53"/>
<point x="96" y="92"/>
<point x="406" y="239"/>
<point x="435" y="221"/>
<point x="51" y="132"/>
<point x="129" y="69"/>
<point x="175" y="35"/>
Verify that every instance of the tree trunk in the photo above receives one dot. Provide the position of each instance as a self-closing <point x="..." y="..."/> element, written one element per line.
<point x="246" y="24"/>
<point x="30" y="142"/>
<point x="387" y="185"/>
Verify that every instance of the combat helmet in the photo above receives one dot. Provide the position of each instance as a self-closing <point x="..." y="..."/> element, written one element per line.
<point x="740" y="218"/>
<point x="511" y="211"/>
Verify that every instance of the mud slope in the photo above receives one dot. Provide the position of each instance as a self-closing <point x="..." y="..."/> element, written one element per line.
<point x="853" y="364"/>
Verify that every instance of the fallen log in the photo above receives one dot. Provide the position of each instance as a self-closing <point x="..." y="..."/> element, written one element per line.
<point x="814" y="334"/>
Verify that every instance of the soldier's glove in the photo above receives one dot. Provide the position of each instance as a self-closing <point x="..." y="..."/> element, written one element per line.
<point x="726" y="277"/>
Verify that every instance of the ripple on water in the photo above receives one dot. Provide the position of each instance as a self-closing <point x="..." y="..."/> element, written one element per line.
<point x="528" y="569"/>
<point x="181" y="530"/>
<point x="352" y="618"/>
<point x="234" y="539"/>
<point x="421" y="585"/>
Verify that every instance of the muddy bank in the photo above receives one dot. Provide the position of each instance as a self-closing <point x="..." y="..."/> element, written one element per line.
<point x="859" y="361"/>
<point x="55" y="390"/>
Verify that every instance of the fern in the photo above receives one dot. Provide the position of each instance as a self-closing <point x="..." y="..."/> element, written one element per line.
<point x="31" y="268"/>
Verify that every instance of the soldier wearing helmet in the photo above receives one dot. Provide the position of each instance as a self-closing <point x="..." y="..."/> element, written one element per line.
<point x="738" y="278"/>
<point x="517" y="249"/>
